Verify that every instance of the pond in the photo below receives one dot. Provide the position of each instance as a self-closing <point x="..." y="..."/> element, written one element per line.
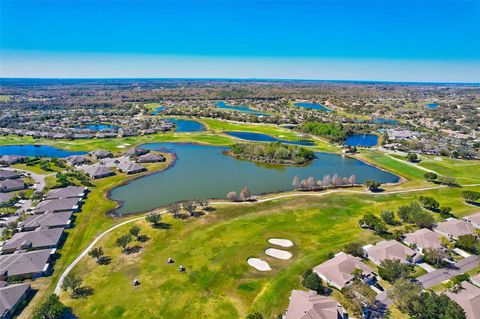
<point x="362" y="140"/>
<point x="381" y="120"/>
<point x="36" y="150"/>
<point x="258" y="137"/>
<point x="205" y="172"/>
<point x="158" y="110"/>
<point x="187" y="126"/>
<point x="313" y="106"/>
<point x="431" y="106"/>
<point x="98" y="127"/>
<point x="240" y="108"/>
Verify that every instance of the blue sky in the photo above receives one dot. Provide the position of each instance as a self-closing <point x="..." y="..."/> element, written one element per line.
<point x="357" y="40"/>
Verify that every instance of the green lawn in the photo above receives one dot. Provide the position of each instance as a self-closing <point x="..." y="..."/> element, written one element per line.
<point x="214" y="248"/>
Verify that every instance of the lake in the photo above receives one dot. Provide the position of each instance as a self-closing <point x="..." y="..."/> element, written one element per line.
<point x="431" y="106"/>
<point x="186" y="126"/>
<point x="313" y="106"/>
<point x="205" y="172"/>
<point x="258" y="137"/>
<point x="240" y="108"/>
<point x="362" y="140"/>
<point x="36" y="150"/>
<point x="98" y="127"/>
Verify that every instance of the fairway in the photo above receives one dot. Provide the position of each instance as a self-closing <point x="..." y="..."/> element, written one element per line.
<point x="214" y="249"/>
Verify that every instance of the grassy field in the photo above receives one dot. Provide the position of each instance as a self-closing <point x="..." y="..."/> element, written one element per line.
<point x="214" y="248"/>
<point x="88" y="224"/>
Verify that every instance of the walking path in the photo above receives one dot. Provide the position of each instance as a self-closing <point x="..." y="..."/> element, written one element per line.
<point x="262" y="200"/>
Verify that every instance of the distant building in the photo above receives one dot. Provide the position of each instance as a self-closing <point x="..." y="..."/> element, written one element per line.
<point x="99" y="154"/>
<point x="454" y="228"/>
<point x="310" y="305"/>
<point x="98" y="171"/>
<point x="76" y="160"/>
<point x="131" y="168"/>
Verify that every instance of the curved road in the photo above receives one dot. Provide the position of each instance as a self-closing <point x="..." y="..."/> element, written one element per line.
<point x="90" y="246"/>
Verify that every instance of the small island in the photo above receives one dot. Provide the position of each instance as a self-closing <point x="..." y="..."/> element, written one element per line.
<point x="273" y="153"/>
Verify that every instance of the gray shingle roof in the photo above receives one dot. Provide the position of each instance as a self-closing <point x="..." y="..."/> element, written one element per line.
<point x="11" y="295"/>
<point x="67" y="192"/>
<point x="8" y="174"/>
<point x="98" y="171"/>
<point x="22" y="263"/>
<point x="58" y="205"/>
<point x="130" y="167"/>
<point x="47" y="220"/>
<point x="34" y="239"/>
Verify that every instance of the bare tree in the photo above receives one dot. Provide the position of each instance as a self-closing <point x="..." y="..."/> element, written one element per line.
<point x="326" y="181"/>
<point x="174" y="209"/>
<point x="232" y="196"/>
<point x="352" y="180"/>
<point x="245" y="194"/>
<point x="295" y="182"/>
<point x="190" y="206"/>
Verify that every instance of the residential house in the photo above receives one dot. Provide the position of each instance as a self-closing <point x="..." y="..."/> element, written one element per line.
<point x="454" y="228"/>
<point x="473" y="219"/>
<point x="32" y="264"/>
<point x="33" y="240"/>
<point x="5" y="197"/>
<point x="131" y="168"/>
<point x="150" y="158"/>
<point x="100" y="154"/>
<point x="468" y="298"/>
<point x="310" y="305"/>
<point x="476" y="280"/>
<point x="11" y="159"/>
<point x="391" y="249"/>
<point x="423" y="239"/>
<point x="67" y="192"/>
<point x="76" y="160"/>
<point x="4" y="174"/>
<point x="47" y="220"/>
<point x="11" y="185"/>
<point x="137" y="151"/>
<point x="337" y="272"/>
<point x="11" y="297"/>
<point x="98" y="171"/>
<point x="58" y="205"/>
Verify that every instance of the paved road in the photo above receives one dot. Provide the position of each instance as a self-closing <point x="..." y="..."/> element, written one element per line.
<point x="95" y="240"/>
<point x="440" y="275"/>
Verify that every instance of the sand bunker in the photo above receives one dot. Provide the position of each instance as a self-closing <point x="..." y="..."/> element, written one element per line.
<point x="281" y="242"/>
<point x="259" y="264"/>
<point x="277" y="253"/>
<point x="121" y="146"/>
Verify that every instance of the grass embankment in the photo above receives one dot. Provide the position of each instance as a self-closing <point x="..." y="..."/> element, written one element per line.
<point x="214" y="248"/>
<point x="90" y="222"/>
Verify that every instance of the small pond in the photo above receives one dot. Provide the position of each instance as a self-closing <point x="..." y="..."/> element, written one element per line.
<point x="36" y="150"/>
<point x="431" y="106"/>
<point x="187" y="126"/>
<point x="362" y="140"/>
<point x="158" y="110"/>
<point x="240" y="108"/>
<point x="98" y="127"/>
<point x="381" y="120"/>
<point x="205" y="172"/>
<point x="313" y="106"/>
<point x="258" y="137"/>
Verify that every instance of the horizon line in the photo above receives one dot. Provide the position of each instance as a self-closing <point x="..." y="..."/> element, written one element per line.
<point x="239" y="79"/>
